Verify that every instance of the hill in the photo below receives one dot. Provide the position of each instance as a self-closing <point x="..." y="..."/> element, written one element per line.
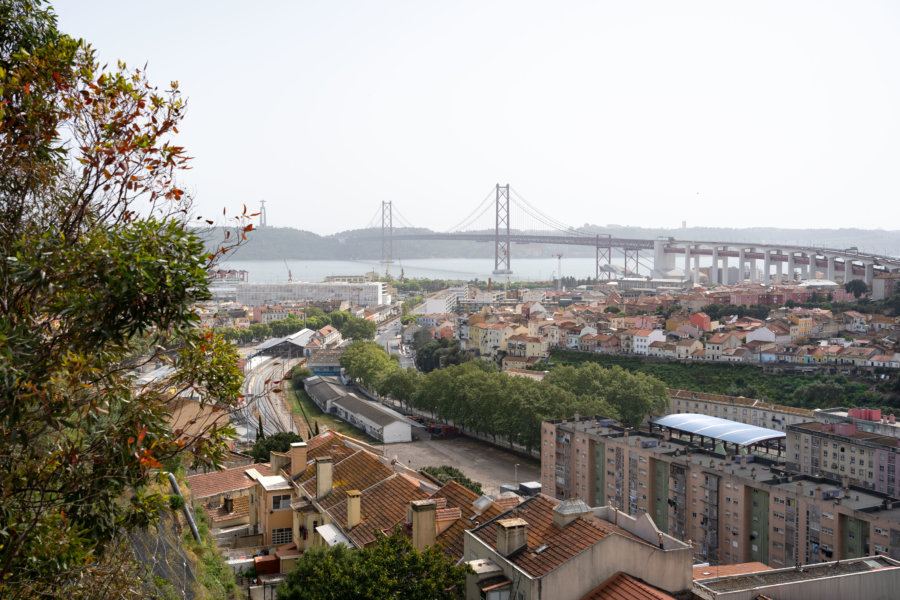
<point x="276" y="243"/>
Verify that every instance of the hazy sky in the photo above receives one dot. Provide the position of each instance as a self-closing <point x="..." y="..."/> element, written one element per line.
<point x="641" y="113"/>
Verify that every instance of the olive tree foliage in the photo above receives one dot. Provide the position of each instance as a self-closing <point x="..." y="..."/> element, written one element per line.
<point x="96" y="251"/>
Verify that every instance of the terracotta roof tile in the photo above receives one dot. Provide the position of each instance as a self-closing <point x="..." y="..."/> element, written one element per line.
<point x="382" y="506"/>
<point x="241" y="509"/>
<point x="454" y="494"/>
<point x="358" y="471"/>
<point x="447" y="514"/>
<point x="321" y="439"/>
<point x="622" y="586"/>
<point x="229" y="480"/>
<point x="452" y="539"/>
<point x="562" y="544"/>
<point x="333" y="447"/>
<point x="507" y="502"/>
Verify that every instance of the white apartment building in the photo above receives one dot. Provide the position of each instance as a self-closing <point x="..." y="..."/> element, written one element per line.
<point x="359" y="294"/>
<point x="442" y="303"/>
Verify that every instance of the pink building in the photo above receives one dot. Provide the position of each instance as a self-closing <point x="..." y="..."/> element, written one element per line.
<point x="702" y="321"/>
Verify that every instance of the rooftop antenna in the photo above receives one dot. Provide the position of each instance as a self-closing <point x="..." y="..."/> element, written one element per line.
<point x="262" y="214"/>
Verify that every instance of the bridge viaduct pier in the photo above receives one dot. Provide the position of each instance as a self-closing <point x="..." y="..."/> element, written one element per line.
<point x="755" y="262"/>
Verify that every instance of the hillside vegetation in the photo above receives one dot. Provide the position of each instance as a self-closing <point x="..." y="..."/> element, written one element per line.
<point x="806" y="391"/>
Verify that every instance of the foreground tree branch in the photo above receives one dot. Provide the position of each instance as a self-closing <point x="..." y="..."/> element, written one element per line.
<point x="95" y="252"/>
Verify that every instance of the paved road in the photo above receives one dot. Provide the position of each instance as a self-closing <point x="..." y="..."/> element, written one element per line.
<point x="389" y="333"/>
<point x="489" y="466"/>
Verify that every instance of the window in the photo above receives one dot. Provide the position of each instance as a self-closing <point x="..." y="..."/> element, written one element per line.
<point x="281" y="502"/>
<point x="282" y="536"/>
<point x="497" y="594"/>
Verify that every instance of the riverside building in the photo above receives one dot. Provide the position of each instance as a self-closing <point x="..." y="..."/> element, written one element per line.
<point x="372" y="293"/>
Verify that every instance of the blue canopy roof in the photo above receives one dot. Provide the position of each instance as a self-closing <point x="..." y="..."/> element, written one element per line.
<point x="720" y="429"/>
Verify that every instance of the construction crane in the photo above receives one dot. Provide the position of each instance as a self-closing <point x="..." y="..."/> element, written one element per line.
<point x="558" y="272"/>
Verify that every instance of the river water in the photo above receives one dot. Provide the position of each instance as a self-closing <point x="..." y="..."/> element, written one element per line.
<point x="465" y="269"/>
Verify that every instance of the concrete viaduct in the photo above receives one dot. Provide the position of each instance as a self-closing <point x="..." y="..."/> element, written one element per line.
<point x="763" y="263"/>
<point x="777" y="262"/>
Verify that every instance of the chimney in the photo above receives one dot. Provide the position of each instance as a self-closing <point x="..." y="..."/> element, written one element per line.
<point x="228" y="503"/>
<point x="298" y="457"/>
<point x="512" y="536"/>
<point x="353" y="500"/>
<point x="424" y="523"/>
<point x="278" y="461"/>
<point x="324" y="472"/>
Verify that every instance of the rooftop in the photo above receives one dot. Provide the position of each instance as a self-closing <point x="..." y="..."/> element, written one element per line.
<point x="755" y="581"/>
<point x="240" y="508"/>
<point x="622" y="586"/>
<point x="712" y="572"/>
<point x="229" y="480"/>
<point x="548" y="546"/>
<point x="720" y="429"/>
<point x="372" y="411"/>
<point x="274" y="483"/>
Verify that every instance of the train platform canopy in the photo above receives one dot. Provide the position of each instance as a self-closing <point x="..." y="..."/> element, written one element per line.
<point x="299" y="340"/>
<point x="723" y="430"/>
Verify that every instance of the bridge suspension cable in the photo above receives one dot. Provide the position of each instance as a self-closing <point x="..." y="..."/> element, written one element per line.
<point x="399" y="218"/>
<point x="533" y="212"/>
<point x="375" y="221"/>
<point x="476" y="214"/>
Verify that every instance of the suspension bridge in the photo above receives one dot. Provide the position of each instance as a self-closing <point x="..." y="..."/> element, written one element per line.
<point x="516" y="221"/>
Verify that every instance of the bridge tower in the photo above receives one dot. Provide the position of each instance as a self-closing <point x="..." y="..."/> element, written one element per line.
<point x="387" y="235"/>
<point x="501" y="232"/>
<point x="262" y="214"/>
<point x="604" y="251"/>
<point x="632" y="256"/>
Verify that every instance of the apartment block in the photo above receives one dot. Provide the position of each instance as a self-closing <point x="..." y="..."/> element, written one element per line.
<point x="731" y="508"/>
<point x="357" y="294"/>
<point x="442" y="303"/>
<point x="843" y="452"/>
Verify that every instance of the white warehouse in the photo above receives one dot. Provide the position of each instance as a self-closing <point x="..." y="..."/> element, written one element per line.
<point x="382" y="423"/>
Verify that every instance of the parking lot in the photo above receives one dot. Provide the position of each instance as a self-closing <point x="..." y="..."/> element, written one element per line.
<point x="489" y="466"/>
